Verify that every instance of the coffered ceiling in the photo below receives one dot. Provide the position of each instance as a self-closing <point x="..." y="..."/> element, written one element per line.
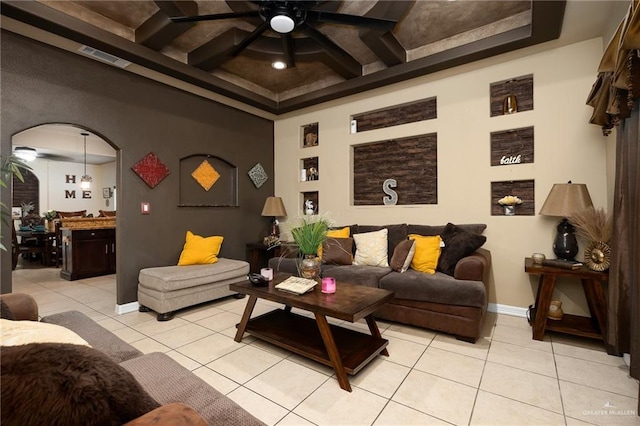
<point x="327" y="60"/>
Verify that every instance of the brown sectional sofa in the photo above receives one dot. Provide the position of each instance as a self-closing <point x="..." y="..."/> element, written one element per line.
<point x="183" y="398"/>
<point x="453" y="304"/>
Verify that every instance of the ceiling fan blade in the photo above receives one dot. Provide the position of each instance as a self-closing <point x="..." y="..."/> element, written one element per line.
<point x="214" y="17"/>
<point x="287" y="48"/>
<point x="249" y="39"/>
<point x="318" y="16"/>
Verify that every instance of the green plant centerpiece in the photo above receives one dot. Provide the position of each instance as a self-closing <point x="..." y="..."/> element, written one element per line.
<point x="309" y="236"/>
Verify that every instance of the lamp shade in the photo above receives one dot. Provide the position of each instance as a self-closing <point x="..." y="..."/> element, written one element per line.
<point x="565" y="199"/>
<point x="273" y="206"/>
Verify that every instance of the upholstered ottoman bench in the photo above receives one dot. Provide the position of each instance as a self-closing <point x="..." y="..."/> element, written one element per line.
<point x="166" y="289"/>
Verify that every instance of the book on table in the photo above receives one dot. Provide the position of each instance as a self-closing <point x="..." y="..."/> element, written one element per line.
<point x="560" y="263"/>
<point x="296" y="285"/>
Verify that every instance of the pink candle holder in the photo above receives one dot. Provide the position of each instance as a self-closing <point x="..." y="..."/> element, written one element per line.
<point x="328" y="285"/>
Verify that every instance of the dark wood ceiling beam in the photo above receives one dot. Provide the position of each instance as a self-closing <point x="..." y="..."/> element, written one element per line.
<point x="217" y="51"/>
<point x="159" y="31"/>
<point x="386" y="47"/>
<point x="337" y="59"/>
<point x="383" y="43"/>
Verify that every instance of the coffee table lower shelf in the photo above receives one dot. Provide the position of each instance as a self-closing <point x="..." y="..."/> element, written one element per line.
<point x="301" y="335"/>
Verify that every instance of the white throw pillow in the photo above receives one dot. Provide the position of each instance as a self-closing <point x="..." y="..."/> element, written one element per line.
<point x="13" y="333"/>
<point x="371" y="248"/>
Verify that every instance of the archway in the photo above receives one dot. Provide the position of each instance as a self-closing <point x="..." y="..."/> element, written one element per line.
<point x="66" y="153"/>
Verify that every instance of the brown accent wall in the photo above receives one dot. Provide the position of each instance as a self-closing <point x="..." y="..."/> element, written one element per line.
<point x="42" y="84"/>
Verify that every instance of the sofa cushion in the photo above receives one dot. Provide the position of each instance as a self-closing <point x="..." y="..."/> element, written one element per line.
<point x="477" y="228"/>
<point x="200" y="250"/>
<point x="371" y="248"/>
<point x="368" y="276"/>
<point x="167" y="381"/>
<point x="425" y="258"/>
<point x="403" y="255"/>
<point x="395" y="234"/>
<point x="458" y="243"/>
<point x="82" y="386"/>
<point x="5" y="311"/>
<point x="23" y="332"/>
<point x="436" y="288"/>
<point x="99" y="338"/>
<point x="337" y="251"/>
<point x="168" y="278"/>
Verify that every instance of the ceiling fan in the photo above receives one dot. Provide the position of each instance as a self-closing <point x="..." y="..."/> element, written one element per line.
<point x="284" y="17"/>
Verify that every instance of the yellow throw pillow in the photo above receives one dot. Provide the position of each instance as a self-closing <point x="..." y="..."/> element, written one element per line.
<point x="199" y="250"/>
<point x="427" y="253"/>
<point x="336" y="233"/>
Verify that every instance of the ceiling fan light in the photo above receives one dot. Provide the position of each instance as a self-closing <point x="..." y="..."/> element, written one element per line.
<point x="25" y="153"/>
<point x="282" y="24"/>
<point x="278" y="65"/>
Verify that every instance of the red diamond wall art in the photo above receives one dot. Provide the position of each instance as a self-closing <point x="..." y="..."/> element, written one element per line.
<point x="151" y="170"/>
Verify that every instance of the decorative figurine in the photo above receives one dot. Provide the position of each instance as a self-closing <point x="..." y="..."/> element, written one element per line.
<point x="308" y="207"/>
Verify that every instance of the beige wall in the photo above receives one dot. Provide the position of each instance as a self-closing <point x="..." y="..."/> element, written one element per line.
<point x="566" y="148"/>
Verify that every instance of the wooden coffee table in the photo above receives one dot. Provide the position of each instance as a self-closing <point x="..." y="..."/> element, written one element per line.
<point x="346" y="350"/>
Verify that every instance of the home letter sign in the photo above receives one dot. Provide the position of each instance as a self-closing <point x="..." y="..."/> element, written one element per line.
<point x="392" y="196"/>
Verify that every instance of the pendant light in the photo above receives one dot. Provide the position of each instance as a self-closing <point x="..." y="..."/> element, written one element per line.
<point x="85" y="181"/>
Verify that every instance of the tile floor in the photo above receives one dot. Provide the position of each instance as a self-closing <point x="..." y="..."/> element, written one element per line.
<point x="506" y="378"/>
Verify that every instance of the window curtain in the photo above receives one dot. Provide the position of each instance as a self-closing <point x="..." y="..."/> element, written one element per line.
<point x="615" y="100"/>
<point x="623" y="329"/>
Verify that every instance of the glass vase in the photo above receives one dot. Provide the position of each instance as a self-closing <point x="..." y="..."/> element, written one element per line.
<point x="310" y="266"/>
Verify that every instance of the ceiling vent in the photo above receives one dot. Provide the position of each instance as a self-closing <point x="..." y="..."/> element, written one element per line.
<point x="104" y="57"/>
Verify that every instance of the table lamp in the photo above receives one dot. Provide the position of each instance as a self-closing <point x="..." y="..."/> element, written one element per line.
<point x="563" y="200"/>
<point x="273" y="206"/>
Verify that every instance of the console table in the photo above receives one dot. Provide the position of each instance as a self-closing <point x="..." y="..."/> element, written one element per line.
<point x="594" y="326"/>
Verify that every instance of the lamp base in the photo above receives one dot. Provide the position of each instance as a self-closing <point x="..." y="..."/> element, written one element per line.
<point x="565" y="246"/>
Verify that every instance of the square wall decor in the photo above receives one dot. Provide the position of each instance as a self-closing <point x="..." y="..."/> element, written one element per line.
<point x="257" y="175"/>
<point x="151" y="170"/>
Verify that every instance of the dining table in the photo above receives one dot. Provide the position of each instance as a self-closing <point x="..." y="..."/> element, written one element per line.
<point x="43" y="238"/>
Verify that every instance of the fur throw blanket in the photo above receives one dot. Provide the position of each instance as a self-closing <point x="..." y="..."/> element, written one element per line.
<point x="65" y="384"/>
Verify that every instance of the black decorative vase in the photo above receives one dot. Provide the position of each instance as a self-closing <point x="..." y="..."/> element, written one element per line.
<point x="565" y="245"/>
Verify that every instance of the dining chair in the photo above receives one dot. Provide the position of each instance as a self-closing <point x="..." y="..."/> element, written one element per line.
<point x="18" y="249"/>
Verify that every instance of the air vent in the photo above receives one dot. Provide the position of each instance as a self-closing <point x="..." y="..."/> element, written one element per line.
<point x="104" y="57"/>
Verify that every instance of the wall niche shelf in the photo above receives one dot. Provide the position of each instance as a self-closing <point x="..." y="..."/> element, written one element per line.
<point x="523" y="189"/>
<point x="309" y="196"/>
<point x="309" y="135"/>
<point x="309" y="169"/>
<point x="510" y="147"/>
<point x="412" y="162"/>
<point x="410" y="112"/>
<point x="520" y="87"/>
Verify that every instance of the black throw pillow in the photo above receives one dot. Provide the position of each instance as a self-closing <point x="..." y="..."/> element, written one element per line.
<point x="64" y="384"/>
<point x="458" y="243"/>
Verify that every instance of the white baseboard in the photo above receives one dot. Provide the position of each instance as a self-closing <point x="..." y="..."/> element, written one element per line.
<point x="515" y="311"/>
<point x="127" y="307"/>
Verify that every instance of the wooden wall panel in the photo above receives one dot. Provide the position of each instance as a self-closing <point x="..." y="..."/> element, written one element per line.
<point x="523" y="189"/>
<point x="412" y="162"/>
<point x="513" y="146"/>
<point x="400" y="114"/>
<point x="27" y="191"/>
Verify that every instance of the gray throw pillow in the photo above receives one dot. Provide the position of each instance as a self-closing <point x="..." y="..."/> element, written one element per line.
<point x="403" y="255"/>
